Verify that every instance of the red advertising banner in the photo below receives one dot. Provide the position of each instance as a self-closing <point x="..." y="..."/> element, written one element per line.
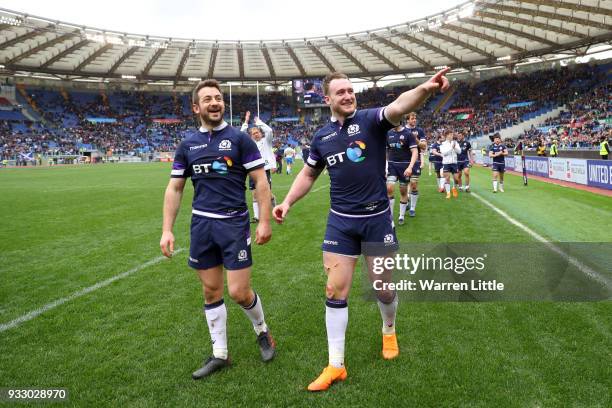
<point x="167" y="121"/>
<point x="461" y="110"/>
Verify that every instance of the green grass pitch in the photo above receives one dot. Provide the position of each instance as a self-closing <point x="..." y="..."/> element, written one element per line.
<point x="136" y="341"/>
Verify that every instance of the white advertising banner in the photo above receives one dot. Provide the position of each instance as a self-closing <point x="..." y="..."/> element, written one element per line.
<point x="574" y="170"/>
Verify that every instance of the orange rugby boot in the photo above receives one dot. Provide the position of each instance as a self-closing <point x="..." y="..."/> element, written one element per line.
<point x="390" y="349"/>
<point x="329" y="376"/>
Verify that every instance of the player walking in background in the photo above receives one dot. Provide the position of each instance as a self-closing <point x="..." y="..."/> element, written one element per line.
<point x="289" y="153"/>
<point x="435" y="158"/>
<point x="402" y="154"/>
<point x="278" y="154"/>
<point x="465" y="159"/>
<point x="498" y="153"/>
<point x="264" y="144"/>
<point x="352" y="146"/>
<point x="450" y="149"/>
<point x="218" y="158"/>
<point x="418" y="134"/>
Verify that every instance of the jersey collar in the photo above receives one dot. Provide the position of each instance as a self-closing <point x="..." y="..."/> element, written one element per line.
<point x="351" y="116"/>
<point x="222" y="126"/>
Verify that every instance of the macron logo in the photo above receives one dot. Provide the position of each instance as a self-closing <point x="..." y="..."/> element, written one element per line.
<point x="326" y="138"/>
<point x="193" y="260"/>
<point x="328" y="242"/>
<point x="198" y="147"/>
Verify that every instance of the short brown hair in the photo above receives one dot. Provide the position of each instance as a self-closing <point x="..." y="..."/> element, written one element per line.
<point x="207" y="83"/>
<point x="330" y="77"/>
<point x="412" y="115"/>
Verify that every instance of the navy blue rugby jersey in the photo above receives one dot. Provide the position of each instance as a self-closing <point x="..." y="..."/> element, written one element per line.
<point x="399" y="144"/>
<point x="417" y="133"/>
<point x="434" y="146"/>
<point x="465" y="148"/>
<point x="495" y="149"/>
<point x="355" y="156"/>
<point x="218" y="163"/>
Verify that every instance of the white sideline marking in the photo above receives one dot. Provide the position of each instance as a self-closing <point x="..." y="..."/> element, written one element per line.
<point x="37" y="312"/>
<point x="320" y="188"/>
<point x="584" y="268"/>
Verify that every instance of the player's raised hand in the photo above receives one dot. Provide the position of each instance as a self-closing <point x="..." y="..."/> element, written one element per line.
<point x="247" y="116"/>
<point x="263" y="233"/>
<point x="280" y="212"/>
<point x="167" y="244"/>
<point x="438" y="82"/>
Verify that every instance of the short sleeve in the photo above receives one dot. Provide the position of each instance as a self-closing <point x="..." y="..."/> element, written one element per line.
<point x="249" y="154"/>
<point x="422" y="135"/>
<point x="180" y="167"/>
<point x="412" y="142"/>
<point x="315" y="160"/>
<point x="378" y="118"/>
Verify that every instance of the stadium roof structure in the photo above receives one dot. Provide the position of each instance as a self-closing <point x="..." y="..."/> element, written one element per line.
<point x="476" y="33"/>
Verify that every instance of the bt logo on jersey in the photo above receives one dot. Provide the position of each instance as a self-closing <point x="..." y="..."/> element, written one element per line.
<point x="219" y="165"/>
<point x="355" y="151"/>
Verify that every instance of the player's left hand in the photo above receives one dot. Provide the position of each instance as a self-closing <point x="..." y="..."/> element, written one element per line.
<point x="408" y="171"/>
<point x="263" y="233"/>
<point x="280" y="212"/>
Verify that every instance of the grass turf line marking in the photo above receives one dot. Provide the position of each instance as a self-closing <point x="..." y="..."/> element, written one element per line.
<point x="584" y="268"/>
<point x="320" y="188"/>
<point x="37" y="312"/>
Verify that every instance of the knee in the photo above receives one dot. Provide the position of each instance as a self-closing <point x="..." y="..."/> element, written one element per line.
<point x="385" y="296"/>
<point x="240" y="294"/>
<point x="212" y="293"/>
<point x="332" y="289"/>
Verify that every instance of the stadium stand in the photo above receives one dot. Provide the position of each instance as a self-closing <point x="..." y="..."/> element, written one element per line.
<point x="141" y="123"/>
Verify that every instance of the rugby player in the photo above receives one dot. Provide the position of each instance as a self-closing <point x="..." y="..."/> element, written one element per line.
<point x="218" y="158"/>
<point x="450" y="149"/>
<point x="264" y="144"/>
<point x="418" y="134"/>
<point x="289" y="156"/>
<point x="465" y="160"/>
<point x="352" y="147"/>
<point x="497" y="153"/>
<point x="402" y="154"/>
<point x="435" y="158"/>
